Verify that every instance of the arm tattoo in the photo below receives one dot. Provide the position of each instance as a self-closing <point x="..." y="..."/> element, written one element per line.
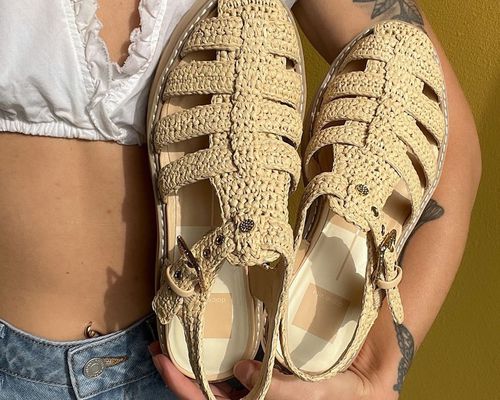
<point x="408" y="10"/>
<point x="406" y="343"/>
<point x="407" y="347"/>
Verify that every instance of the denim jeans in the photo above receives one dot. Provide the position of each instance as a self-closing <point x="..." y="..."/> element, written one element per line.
<point x="109" y="367"/>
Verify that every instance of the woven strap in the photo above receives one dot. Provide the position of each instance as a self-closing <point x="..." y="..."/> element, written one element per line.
<point x="382" y="128"/>
<point x="269" y="117"/>
<point x="267" y="154"/>
<point x="223" y="33"/>
<point x="254" y="125"/>
<point x="218" y="77"/>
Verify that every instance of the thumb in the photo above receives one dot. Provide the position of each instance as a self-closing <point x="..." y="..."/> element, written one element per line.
<point x="247" y="372"/>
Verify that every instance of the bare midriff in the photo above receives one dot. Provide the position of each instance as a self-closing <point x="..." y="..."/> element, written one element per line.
<point x="77" y="225"/>
<point x="77" y="235"/>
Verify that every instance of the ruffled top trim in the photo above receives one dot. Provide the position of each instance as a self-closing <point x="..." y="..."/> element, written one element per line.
<point x="111" y="81"/>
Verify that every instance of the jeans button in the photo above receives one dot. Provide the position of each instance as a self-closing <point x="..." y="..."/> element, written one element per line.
<point x="93" y="368"/>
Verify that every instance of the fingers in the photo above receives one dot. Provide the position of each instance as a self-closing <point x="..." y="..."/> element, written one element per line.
<point x="345" y="386"/>
<point x="178" y="383"/>
<point x="282" y="386"/>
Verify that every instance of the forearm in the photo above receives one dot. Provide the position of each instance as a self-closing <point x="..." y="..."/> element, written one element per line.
<point x="434" y="253"/>
<point x="330" y="25"/>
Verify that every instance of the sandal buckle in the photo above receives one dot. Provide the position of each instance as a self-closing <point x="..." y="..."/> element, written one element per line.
<point x="386" y="245"/>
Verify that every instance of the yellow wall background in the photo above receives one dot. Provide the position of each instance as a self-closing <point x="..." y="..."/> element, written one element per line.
<point x="460" y="358"/>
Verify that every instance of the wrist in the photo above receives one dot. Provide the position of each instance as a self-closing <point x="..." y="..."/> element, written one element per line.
<point x="380" y="362"/>
<point x="378" y="368"/>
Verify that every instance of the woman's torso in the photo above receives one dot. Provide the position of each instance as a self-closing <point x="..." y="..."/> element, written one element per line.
<point x="77" y="231"/>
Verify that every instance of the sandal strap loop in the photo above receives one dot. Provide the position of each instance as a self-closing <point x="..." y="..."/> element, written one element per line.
<point x="386" y="274"/>
<point x="391" y="283"/>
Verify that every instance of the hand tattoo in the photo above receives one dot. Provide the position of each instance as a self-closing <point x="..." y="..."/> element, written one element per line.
<point x="408" y="10"/>
<point x="407" y="347"/>
<point x="406" y="343"/>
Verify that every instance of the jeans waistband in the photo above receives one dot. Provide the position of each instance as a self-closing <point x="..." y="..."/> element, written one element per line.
<point x="91" y="366"/>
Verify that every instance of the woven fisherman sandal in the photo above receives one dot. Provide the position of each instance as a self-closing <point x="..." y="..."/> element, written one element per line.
<point x="379" y="132"/>
<point x="224" y="122"/>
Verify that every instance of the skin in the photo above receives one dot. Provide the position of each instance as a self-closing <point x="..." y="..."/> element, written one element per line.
<point x="432" y="256"/>
<point x="78" y="231"/>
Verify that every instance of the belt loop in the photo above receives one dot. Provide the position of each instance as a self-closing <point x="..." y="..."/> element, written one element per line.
<point x="2" y="330"/>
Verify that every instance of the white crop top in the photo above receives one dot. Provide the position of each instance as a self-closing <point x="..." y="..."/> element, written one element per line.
<point x="56" y="78"/>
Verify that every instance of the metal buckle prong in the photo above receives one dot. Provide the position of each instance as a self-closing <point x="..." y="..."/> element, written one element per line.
<point x="192" y="262"/>
<point x="387" y="244"/>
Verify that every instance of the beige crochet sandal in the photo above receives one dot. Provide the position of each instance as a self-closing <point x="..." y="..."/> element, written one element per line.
<point x="224" y="122"/>
<point x="379" y="133"/>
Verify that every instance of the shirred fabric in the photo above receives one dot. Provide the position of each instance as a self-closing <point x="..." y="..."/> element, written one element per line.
<point x="57" y="79"/>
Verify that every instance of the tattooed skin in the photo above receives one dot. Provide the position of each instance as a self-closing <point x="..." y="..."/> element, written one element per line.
<point x="404" y="10"/>
<point x="406" y="343"/>
<point x="407" y="347"/>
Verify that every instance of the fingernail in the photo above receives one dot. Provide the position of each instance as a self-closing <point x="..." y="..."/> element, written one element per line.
<point x="157" y="364"/>
<point x="244" y="371"/>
